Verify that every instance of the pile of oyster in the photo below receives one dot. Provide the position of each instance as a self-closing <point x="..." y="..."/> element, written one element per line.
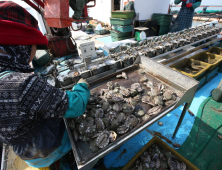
<point x="156" y="157"/>
<point x="116" y="110"/>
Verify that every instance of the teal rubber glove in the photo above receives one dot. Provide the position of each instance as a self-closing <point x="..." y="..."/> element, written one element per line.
<point x="78" y="99"/>
<point x="196" y="5"/>
<point x="177" y="2"/>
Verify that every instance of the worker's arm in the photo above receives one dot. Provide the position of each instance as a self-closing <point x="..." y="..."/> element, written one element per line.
<point x="177" y="2"/>
<point x="196" y="4"/>
<point x="78" y="99"/>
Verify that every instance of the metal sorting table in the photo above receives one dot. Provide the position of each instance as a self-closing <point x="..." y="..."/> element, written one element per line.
<point x="180" y="52"/>
<point x="157" y="72"/>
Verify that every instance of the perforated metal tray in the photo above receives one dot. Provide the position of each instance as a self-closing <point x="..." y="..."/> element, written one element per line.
<point x="156" y="72"/>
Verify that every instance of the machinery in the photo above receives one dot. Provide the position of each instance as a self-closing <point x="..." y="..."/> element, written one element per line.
<point x="58" y="24"/>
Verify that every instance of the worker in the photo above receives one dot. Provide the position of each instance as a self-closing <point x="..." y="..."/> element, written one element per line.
<point x="185" y="17"/>
<point x="31" y="110"/>
<point x="77" y="7"/>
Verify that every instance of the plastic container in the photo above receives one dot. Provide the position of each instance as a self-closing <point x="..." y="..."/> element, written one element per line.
<point x="164" y="30"/>
<point x="212" y="59"/>
<point x="120" y="21"/>
<point x="118" y="34"/>
<point x="163" y="19"/>
<point x="102" y="32"/>
<point x="212" y="73"/>
<point x="215" y="50"/>
<point x="146" y="23"/>
<point x="42" y="57"/>
<point x="177" y="66"/>
<point x="202" y="81"/>
<point x="120" y="38"/>
<point x="122" y="14"/>
<point x="158" y="141"/>
<point x="126" y="28"/>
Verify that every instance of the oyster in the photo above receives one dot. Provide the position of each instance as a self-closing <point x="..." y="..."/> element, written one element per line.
<point x="137" y="98"/>
<point x="150" y="84"/>
<point x="99" y="113"/>
<point x="124" y="75"/>
<point x="131" y="121"/>
<point x="122" y="129"/>
<point x="169" y="95"/>
<point x="139" y="114"/>
<point x="128" y="108"/>
<point x="115" y="123"/>
<point x="154" y="92"/>
<point x="121" y="117"/>
<point x="117" y="98"/>
<point x="137" y="87"/>
<point x="105" y="106"/>
<point x="103" y="139"/>
<point x="92" y="146"/>
<point x="112" y="136"/>
<point x="158" y="100"/>
<point x="143" y="79"/>
<point x="171" y="164"/>
<point x="146" y="99"/>
<point x="117" y="107"/>
<point x="169" y="102"/>
<point x="125" y="92"/>
<point x="141" y="71"/>
<point x="145" y="117"/>
<point x="176" y="145"/>
<point x="154" y="110"/>
<point x="106" y="122"/>
<point x="109" y="83"/>
<point x="99" y="124"/>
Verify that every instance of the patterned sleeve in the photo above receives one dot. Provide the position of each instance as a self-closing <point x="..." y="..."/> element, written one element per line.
<point x="39" y="99"/>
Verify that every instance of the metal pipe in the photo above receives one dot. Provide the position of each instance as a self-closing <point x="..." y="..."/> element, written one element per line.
<point x="32" y="5"/>
<point x="199" y="6"/>
<point x="181" y="119"/>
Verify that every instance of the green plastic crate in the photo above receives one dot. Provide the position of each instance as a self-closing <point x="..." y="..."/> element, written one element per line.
<point x="122" y="14"/>
<point x="118" y="34"/>
<point x="101" y="32"/>
<point x="123" y="28"/>
<point x="120" y="38"/>
<point x="162" y="19"/>
<point x="164" y="30"/>
<point x="120" y="21"/>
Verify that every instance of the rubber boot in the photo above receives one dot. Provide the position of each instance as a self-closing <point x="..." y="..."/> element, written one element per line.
<point x="217" y="93"/>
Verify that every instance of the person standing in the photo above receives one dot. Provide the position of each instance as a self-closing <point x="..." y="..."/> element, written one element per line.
<point x="185" y="17"/>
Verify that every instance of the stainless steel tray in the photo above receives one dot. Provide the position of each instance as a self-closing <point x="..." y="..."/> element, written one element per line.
<point x="85" y="159"/>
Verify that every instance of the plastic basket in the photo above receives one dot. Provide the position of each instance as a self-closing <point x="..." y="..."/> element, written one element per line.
<point x="162" y="144"/>
<point x="120" y="21"/>
<point x="101" y="32"/>
<point x="164" y="30"/>
<point x="145" y="23"/>
<point x="126" y="28"/>
<point x="177" y="66"/>
<point x="215" y="50"/>
<point x="162" y="19"/>
<point x="120" y="38"/>
<point x="122" y="14"/>
<point x="118" y="34"/>
<point x="212" y="59"/>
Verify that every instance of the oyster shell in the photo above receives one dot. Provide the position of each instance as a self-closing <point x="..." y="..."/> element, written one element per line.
<point x="103" y="139"/>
